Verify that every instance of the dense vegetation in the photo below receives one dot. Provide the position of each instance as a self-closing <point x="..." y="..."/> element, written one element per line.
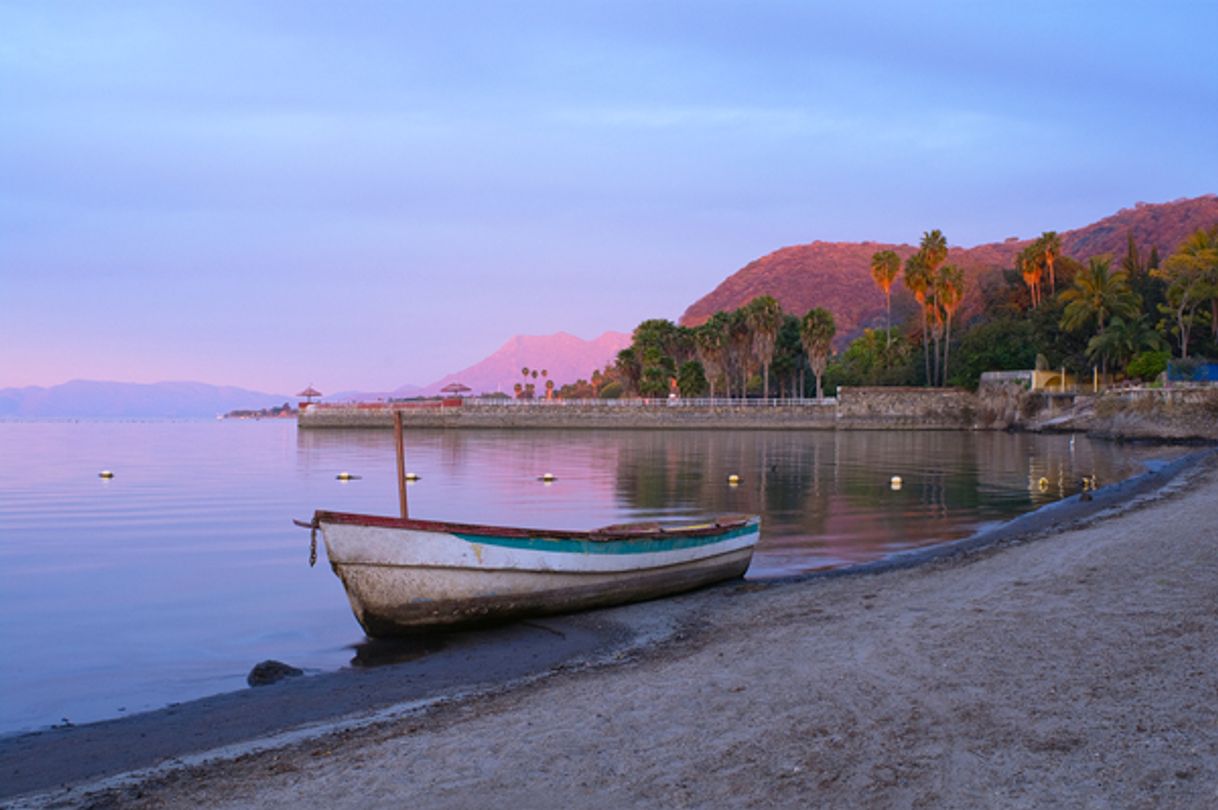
<point x="1127" y="318"/>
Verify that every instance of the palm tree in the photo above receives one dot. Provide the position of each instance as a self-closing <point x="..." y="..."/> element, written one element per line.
<point x="628" y="369"/>
<point x="934" y="249"/>
<point x="917" y="280"/>
<point x="884" y="268"/>
<point x="949" y="285"/>
<point x="1032" y="270"/>
<point x="710" y="341"/>
<point x="739" y="349"/>
<point x="764" y="317"/>
<point x="816" y="332"/>
<point x="1050" y="245"/>
<point x="1097" y="295"/>
<point x="1124" y="338"/>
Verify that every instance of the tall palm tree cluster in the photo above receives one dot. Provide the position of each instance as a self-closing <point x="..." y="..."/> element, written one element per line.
<point x="757" y="344"/>
<point x="937" y="286"/>
<point x="1067" y="314"/>
<point x="1037" y="264"/>
<point x="1125" y="317"/>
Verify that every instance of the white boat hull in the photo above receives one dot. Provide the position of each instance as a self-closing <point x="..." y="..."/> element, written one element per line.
<point x="400" y="578"/>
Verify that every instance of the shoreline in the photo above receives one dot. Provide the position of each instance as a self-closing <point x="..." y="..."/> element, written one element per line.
<point x="595" y="644"/>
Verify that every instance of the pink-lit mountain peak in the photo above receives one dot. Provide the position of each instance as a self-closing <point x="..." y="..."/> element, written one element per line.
<point x="565" y="357"/>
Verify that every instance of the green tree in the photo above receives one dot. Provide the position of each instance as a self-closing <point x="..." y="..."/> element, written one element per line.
<point x="1148" y="365"/>
<point x="628" y="369"/>
<point x="612" y="390"/>
<point x="1097" y="295"/>
<point x="764" y="317"/>
<point x="816" y="332"/>
<point x="691" y="379"/>
<point x="873" y="358"/>
<point x="1191" y="275"/>
<point x="1122" y="339"/>
<point x="789" y="360"/>
<point x="1003" y="344"/>
<point x="885" y="265"/>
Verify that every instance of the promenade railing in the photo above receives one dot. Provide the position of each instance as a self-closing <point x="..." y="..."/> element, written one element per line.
<point x="654" y="402"/>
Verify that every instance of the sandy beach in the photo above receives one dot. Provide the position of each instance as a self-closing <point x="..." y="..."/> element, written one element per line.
<point x="1065" y="667"/>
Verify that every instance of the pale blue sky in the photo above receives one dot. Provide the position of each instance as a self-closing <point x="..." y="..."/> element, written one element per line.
<point x="366" y="194"/>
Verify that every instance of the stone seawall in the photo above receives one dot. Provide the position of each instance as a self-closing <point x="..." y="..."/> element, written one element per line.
<point x="558" y="415"/>
<point x="854" y="409"/>
<point x="893" y="408"/>
<point x="1178" y="413"/>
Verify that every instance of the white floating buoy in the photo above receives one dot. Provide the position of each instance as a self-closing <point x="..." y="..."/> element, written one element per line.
<point x="733" y="480"/>
<point x="105" y="474"/>
<point x="547" y="477"/>
<point x="412" y="476"/>
<point x="895" y="482"/>
<point x="346" y="476"/>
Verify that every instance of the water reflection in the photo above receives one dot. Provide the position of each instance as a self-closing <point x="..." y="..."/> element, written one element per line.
<point x="825" y="496"/>
<point x="170" y="581"/>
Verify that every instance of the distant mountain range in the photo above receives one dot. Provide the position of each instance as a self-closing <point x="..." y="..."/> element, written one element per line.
<point x="565" y="357"/>
<point x="92" y="398"/>
<point x="837" y="275"/>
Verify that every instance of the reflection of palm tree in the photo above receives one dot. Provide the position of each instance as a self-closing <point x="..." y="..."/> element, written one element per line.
<point x="816" y="332"/>
<point x="884" y="268"/>
<point x="764" y="317"/>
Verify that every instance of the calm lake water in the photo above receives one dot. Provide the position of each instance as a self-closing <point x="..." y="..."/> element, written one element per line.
<point x="170" y="581"/>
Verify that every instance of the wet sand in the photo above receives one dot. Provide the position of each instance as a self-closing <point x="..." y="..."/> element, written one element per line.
<point x="1072" y="666"/>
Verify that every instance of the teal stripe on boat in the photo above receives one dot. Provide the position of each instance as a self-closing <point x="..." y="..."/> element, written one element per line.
<point x="636" y="546"/>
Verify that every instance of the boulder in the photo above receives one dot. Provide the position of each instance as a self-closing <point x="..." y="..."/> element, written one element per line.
<point x="270" y="671"/>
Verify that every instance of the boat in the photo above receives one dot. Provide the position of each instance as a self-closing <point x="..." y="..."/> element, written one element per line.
<point x="403" y="575"/>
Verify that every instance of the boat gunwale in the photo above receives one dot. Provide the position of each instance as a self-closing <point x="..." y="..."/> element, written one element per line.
<point x="715" y="526"/>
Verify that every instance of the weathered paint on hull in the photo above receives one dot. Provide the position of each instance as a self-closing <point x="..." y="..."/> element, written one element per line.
<point x="461" y="597"/>
<point x="403" y="575"/>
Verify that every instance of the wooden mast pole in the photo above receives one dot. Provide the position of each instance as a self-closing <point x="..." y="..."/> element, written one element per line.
<point x="401" y="454"/>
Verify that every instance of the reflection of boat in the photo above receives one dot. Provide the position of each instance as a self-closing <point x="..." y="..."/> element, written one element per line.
<point x="403" y="574"/>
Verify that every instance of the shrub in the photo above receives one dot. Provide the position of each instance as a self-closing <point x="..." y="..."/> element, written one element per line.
<point x="1148" y="365"/>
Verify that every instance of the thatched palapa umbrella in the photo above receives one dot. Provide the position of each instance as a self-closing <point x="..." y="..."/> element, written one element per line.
<point x="455" y="388"/>
<point x="309" y="393"/>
